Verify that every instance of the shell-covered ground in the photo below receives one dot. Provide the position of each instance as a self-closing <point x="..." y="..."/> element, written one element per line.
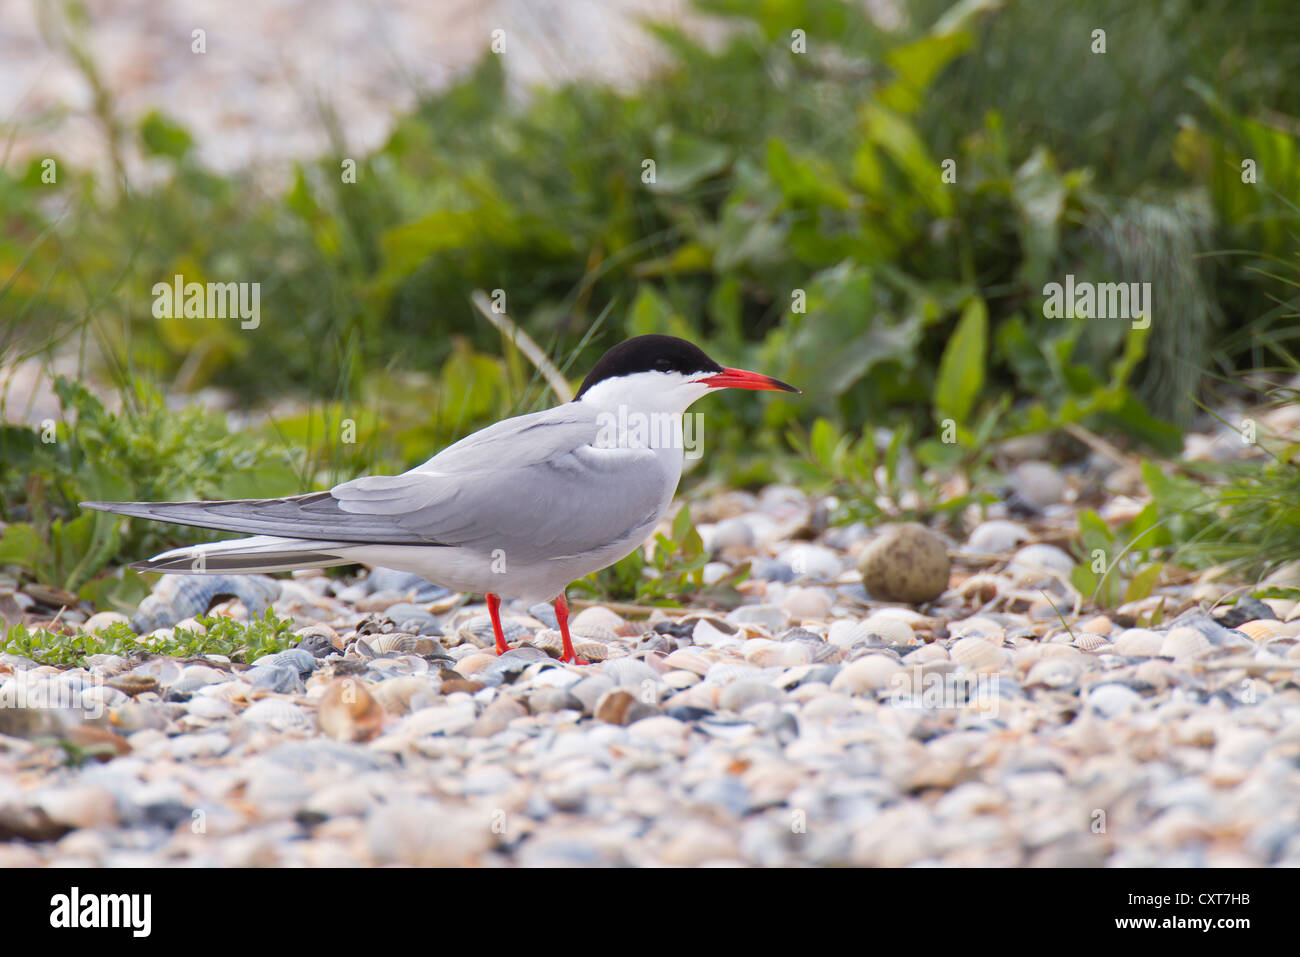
<point x="1007" y="722"/>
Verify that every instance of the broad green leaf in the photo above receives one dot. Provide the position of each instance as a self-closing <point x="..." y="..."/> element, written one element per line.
<point x="1143" y="582"/>
<point x="961" y="368"/>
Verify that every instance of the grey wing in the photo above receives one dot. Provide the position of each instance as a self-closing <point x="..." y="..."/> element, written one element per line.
<point x="529" y="485"/>
<point x="538" y="492"/>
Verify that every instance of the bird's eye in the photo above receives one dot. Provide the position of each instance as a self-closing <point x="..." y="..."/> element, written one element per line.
<point x="663" y="365"/>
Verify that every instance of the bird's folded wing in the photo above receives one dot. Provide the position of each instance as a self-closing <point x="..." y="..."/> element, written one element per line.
<point x="531" y="505"/>
<point x="316" y="516"/>
<point x="533" y="487"/>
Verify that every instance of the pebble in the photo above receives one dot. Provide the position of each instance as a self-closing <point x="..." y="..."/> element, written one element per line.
<point x="1039" y="483"/>
<point x="908" y="563"/>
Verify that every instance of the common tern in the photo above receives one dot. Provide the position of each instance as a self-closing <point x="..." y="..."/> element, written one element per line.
<point x="517" y="510"/>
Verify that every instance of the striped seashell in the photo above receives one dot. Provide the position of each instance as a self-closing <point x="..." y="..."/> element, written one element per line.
<point x="278" y="714"/>
<point x="977" y="654"/>
<point x="596" y="632"/>
<point x="593" y="651"/>
<point x="549" y="640"/>
<point x="594" y="617"/>
<point x="396" y="643"/>
<point x="177" y="597"/>
<point x="1183" y="642"/>
<point x="1088" y="641"/>
<point x="1262" y="628"/>
<point x="478" y="631"/>
<point x="630" y="673"/>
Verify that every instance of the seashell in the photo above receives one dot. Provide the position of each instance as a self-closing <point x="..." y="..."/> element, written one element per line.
<point x="478" y="631"/>
<point x="233" y="692"/>
<point x="592" y="651"/>
<point x="866" y="675"/>
<point x="631" y="673"/>
<point x="323" y="637"/>
<point x="978" y="654"/>
<point x="779" y="655"/>
<point x="807" y="604"/>
<point x="472" y="664"/>
<point x="621" y="707"/>
<point x="348" y="712"/>
<point x="133" y="684"/>
<point x="1262" y="628"/>
<point x="177" y="597"/>
<point x="601" y="620"/>
<point x="550" y="641"/>
<point x="1098" y="625"/>
<point x="685" y="659"/>
<point x="769" y="617"/>
<point x="1088" y="641"/>
<point x="927" y="653"/>
<point x="209" y="708"/>
<point x="979" y="626"/>
<point x="396" y="643"/>
<point x="278" y="714"/>
<point x="995" y="536"/>
<point x="194" y="677"/>
<point x="983" y="588"/>
<point x="680" y="679"/>
<point x="1138" y="643"/>
<point x="1183" y="642"/>
<point x="889" y="629"/>
<point x="852" y="634"/>
<point x="725" y="672"/>
<point x="1033" y="561"/>
<point x="303" y="662"/>
<point x="104" y="619"/>
<point x="595" y="633"/>
<point x="1057" y="673"/>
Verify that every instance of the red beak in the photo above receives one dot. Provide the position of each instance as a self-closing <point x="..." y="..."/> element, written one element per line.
<point x="740" y="379"/>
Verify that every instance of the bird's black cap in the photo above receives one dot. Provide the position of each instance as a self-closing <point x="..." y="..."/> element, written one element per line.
<point x="653" y="353"/>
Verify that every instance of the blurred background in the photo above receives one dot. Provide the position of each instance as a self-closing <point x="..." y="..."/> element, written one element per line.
<point x="864" y="198"/>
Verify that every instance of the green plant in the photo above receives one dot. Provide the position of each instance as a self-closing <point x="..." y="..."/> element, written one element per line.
<point x="1119" y="565"/>
<point x="672" y="574"/>
<point x="243" y="642"/>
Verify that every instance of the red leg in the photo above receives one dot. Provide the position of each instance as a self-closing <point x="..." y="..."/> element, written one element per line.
<point x="562" y="615"/>
<point x="494" y="610"/>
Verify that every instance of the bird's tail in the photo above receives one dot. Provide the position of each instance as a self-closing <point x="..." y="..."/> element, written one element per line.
<point x="256" y="555"/>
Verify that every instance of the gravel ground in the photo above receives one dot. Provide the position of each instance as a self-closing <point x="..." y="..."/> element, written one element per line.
<point x="812" y="724"/>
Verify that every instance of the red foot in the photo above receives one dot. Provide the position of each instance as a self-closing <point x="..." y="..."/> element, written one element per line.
<point x="562" y="616"/>
<point x="494" y="611"/>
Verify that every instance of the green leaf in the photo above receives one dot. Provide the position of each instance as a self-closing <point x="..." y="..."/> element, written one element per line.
<point x="683" y="160"/>
<point x="1143" y="582"/>
<point x="961" y="368"/>
<point x="161" y="137"/>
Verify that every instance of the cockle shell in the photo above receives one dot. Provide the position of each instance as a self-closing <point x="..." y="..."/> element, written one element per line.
<point x="177" y="597"/>
<point x="478" y="631"/>
<point x="590" y="621"/>
<point x="978" y="654"/>
<point x="348" y="712"/>
<point x="278" y="714"/>
<point x="1183" y="643"/>
<point x="375" y="646"/>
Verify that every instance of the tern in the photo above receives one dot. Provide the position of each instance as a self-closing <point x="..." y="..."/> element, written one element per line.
<point x="518" y="510"/>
